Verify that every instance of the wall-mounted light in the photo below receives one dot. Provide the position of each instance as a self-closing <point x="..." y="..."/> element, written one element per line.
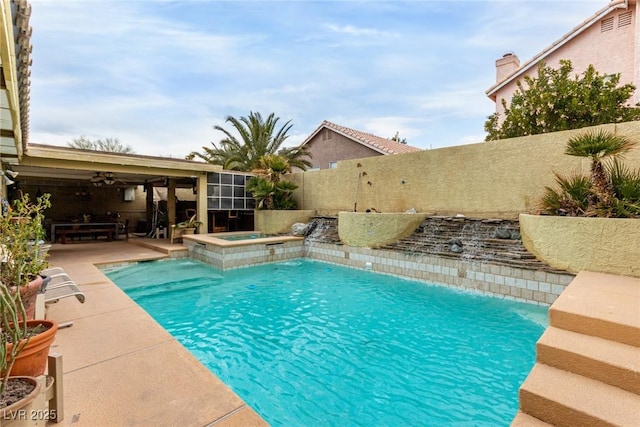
<point x="6" y="179"/>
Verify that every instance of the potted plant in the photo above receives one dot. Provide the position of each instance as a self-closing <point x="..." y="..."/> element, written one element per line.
<point x="20" y="226"/>
<point x="189" y="226"/>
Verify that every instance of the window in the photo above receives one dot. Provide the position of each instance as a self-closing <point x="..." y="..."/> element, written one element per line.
<point x="606" y="25"/>
<point x="333" y="165"/>
<point x="227" y="191"/>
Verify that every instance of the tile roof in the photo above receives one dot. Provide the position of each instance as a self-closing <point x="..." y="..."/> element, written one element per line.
<point x="377" y="143"/>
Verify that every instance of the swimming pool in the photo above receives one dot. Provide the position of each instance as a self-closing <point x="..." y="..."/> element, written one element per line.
<point x="308" y="343"/>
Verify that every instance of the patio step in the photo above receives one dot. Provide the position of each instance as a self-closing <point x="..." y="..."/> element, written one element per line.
<point x="610" y="362"/>
<point x="563" y="398"/>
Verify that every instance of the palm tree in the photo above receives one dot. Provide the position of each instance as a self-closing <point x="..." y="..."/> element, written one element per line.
<point x="272" y="166"/>
<point x="598" y="146"/>
<point x="267" y="188"/>
<point x="257" y="138"/>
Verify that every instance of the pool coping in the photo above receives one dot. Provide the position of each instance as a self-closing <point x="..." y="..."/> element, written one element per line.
<point x="213" y="239"/>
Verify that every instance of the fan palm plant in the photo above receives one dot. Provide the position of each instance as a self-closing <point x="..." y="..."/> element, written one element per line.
<point x="572" y="199"/>
<point x="611" y="190"/>
<point x="626" y="187"/>
<point x="598" y="146"/>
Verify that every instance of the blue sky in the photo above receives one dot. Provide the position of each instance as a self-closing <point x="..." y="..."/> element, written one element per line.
<point x="159" y="74"/>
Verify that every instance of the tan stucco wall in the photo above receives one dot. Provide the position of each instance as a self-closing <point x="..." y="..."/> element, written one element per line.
<point x="372" y="230"/>
<point x="605" y="245"/>
<point x="280" y="222"/>
<point x="490" y="179"/>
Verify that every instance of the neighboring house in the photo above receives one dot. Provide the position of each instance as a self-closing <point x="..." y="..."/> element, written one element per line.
<point x="330" y="143"/>
<point x="609" y="40"/>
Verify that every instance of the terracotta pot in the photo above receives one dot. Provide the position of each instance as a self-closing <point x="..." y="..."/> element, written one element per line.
<point x="32" y="360"/>
<point x="29" y="295"/>
<point x="17" y="414"/>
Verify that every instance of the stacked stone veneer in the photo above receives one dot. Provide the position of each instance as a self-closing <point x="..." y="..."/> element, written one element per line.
<point x="243" y="256"/>
<point x="499" y="266"/>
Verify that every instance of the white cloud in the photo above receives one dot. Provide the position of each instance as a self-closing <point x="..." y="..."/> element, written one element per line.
<point x="158" y="75"/>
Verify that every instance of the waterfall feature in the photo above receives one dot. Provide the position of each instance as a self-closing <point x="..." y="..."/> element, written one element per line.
<point x="487" y="240"/>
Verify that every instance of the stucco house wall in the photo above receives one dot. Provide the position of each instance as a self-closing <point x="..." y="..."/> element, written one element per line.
<point x="331" y="143"/>
<point x="609" y="43"/>
<point x="328" y="146"/>
<point x="498" y="179"/>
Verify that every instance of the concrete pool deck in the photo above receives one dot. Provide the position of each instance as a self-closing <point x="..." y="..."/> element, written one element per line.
<point x="120" y="366"/>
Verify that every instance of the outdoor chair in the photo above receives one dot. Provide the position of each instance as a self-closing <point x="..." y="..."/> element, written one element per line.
<point x="124" y="228"/>
<point x="59" y="285"/>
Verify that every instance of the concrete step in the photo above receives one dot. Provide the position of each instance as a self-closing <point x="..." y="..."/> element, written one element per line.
<point x="523" y="420"/>
<point x="611" y="312"/>
<point x="563" y="398"/>
<point x="607" y="361"/>
<point x="175" y="250"/>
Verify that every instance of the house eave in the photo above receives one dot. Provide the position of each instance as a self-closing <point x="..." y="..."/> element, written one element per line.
<point x="613" y="5"/>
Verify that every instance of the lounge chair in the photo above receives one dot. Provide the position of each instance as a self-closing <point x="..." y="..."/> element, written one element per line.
<point x="59" y="285"/>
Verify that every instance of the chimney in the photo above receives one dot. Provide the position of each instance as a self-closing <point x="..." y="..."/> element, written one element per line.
<point x="506" y="65"/>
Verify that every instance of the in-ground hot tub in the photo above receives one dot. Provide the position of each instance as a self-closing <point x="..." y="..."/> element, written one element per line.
<point x="243" y="248"/>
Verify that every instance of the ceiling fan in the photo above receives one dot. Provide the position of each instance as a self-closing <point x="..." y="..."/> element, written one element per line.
<point x="106" y="178"/>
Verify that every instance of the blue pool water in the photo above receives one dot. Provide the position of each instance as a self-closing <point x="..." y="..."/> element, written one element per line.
<point x="307" y="343"/>
<point x="236" y="237"/>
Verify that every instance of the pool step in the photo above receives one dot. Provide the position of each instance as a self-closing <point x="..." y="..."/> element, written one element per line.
<point x="523" y="420"/>
<point x="607" y="361"/>
<point x="560" y="398"/>
<point x="600" y="305"/>
<point x="587" y="368"/>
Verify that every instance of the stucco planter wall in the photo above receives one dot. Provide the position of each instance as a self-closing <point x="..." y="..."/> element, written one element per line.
<point x="606" y="245"/>
<point x="372" y="230"/>
<point x="280" y="222"/>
